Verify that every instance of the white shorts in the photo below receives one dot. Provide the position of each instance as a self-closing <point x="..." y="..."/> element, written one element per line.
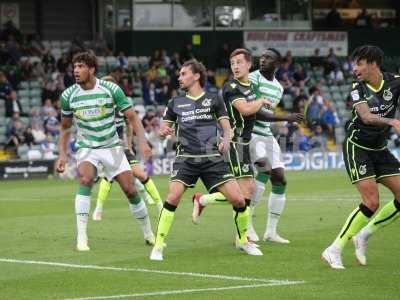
<point x="265" y="150"/>
<point x="109" y="161"/>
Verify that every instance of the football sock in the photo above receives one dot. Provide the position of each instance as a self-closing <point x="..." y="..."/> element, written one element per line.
<point x="261" y="180"/>
<point x="276" y="204"/>
<point x="388" y="214"/>
<point x="139" y="211"/>
<point x="152" y="190"/>
<point x="356" y="220"/>
<point x="104" y="191"/>
<point x="164" y="223"/>
<point x="82" y="208"/>
<point x="240" y="220"/>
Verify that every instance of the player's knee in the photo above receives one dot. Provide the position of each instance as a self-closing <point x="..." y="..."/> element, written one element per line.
<point x="278" y="180"/>
<point x="238" y="201"/>
<point x="85" y="180"/>
<point x="129" y="190"/>
<point x="173" y="198"/>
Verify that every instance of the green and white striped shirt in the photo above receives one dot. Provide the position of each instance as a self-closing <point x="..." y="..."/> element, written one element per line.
<point x="270" y="89"/>
<point x="94" y="113"/>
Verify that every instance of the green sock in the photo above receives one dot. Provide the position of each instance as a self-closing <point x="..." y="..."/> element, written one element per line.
<point x="389" y="213"/>
<point x="356" y="220"/>
<point x="152" y="190"/>
<point x="164" y="224"/>
<point x="104" y="191"/>
<point x="262" y="177"/>
<point x="135" y="199"/>
<point x="213" y="198"/>
<point x="240" y="220"/>
<point x="84" y="190"/>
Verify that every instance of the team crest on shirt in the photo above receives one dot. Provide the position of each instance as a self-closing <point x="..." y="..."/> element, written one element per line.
<point x="387" y="95"/>
<point x="245" y="168"/>
<point x="362" y="169"/>
<point x="206" y="102"/>
<point x="355" y="95"/>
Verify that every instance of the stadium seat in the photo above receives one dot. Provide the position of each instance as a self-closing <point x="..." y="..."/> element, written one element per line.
<point x="3" y="130"/>
<point x="22" y="151"/>
<point x="3" y="139"/>
<point x="24" y="103"/>
<point x="35" y="102"/>
<point x="334" y="88"/>
<point x="137" y="100"/>
<point x="55" y="44"/>
<point x="35" y="59"/>
<point x="24" y="85"/>
<point x="101" y="60"/>
<point x="65" y="44"/>
<point x="337" y="97"/>
<point x="112" y="61"/>
<point x="23" y="93"/>
<point x="34" y="84"/>
<point x="35" y="93"/>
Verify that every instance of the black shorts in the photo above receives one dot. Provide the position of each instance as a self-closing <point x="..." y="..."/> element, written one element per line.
<point x="213" y="171"/>
<point x="131" y="156"/>
<point x="362" y="163"/>
<point x="240" y="163"/>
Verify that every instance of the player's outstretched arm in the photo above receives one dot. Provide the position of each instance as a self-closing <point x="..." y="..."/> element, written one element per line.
<point x="369" y="118"/>
<point x="65" y="133"/>
<point x="270" y="117"/>
<point x="250" y="108"/>
<point x="136" y="125"/>
<point x="226" y="139"/>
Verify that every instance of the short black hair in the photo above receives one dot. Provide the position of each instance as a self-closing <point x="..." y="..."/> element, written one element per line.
<point x="278" y="54"/>
<point x="368" y="52"/>
<point x="88" y="58"/>
<point x="197" y="68"/>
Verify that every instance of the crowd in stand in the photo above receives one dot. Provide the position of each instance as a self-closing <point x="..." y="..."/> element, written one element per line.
<point x="154" y="85"/>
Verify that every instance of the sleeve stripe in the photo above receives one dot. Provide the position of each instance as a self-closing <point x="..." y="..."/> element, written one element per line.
<point x="355" y="104"/>
<point x="169" y="121"/>
<point x="237" y="99"/>
<point x="223" y="117"/>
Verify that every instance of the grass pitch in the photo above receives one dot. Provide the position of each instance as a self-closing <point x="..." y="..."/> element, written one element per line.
<point x="38" y="260"/>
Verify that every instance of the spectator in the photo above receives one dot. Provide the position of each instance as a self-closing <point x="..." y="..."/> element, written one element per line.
<point x="302" y="141"/>
<point x="13" y="105"/>
<point x="28" y="136"/>
<point x="47" y="107"/>
<point x="5" y="87"/>
<point x="49" y="147"/>
<point x="316" y="61"/>
<point x="318" y="141"/>
<point x="333" y="19"/>
<point x="336" y="76"/>
<point x="38" y="134"/>
<point x="331" y="62"/>
<point x="363" y="19"/>
<point x="127" y="87"/>
<point x="51" y="124"/>
<point x="348" y="66"/>
<point x="123" y="60"/>
<point x="48" y="60"/>
<point x="329" y="119"/>
<point x="300" y="75"/>
<point x="15" y="132"/>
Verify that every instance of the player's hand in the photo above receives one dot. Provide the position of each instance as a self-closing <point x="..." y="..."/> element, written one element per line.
<point x="166" y="130"/>
<point x="145" y="150"/>
<point x="396" y="125"/>
<point x="224" y="146"/>
<point x="60" y="164"/>
<point x="296" y="117"/>
<point x="266" y="102"/>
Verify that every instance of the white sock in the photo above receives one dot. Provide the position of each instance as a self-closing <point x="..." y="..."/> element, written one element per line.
<point x="82" y="208"/>
<point x="276" y="204"/>
<point x="364" y="232"/>
<point x="139" y="211"/>
<point x="258" y="192"/>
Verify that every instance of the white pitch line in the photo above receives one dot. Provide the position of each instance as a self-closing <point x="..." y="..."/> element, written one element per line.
<point x="105" y="268"/>
<point x="175" y="292"/>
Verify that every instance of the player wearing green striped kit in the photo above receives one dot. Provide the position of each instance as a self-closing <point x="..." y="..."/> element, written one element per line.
<point x="265" y="152"/>
<point x="91" y="103"/>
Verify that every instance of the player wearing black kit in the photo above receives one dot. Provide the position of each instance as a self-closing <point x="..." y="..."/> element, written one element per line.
<point x="198" y="154"/>
<point x="368" y="162"/>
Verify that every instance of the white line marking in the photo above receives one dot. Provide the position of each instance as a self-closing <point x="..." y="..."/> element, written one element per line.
<point x="105" y="268"/>
<point x="175" y="292"/>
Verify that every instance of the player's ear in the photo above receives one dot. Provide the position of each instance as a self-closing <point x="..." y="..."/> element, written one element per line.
<point x="197" y="76"/>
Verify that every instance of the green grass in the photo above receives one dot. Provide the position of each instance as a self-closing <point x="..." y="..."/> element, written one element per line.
<point x="37" y="223"/>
